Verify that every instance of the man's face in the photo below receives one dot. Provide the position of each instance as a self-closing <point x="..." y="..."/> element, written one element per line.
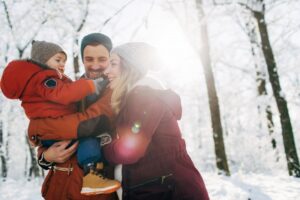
<point x="95" y="60"/>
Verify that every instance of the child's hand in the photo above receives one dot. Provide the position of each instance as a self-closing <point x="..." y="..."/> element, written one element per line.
<point x="100" y="84"/>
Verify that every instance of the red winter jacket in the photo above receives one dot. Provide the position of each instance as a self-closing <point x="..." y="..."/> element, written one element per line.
<point x="50" y="102"/>
<point x="42" y="92"/>
<point x="149" y="145"/>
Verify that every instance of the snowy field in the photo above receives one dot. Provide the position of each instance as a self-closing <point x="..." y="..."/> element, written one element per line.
<point x="237" y="187"/>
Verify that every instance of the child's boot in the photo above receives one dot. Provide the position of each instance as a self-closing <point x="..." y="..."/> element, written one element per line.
<point x="95" y="183"/>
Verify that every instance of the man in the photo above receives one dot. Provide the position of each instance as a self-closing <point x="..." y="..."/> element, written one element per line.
<point x="65" y="178"/>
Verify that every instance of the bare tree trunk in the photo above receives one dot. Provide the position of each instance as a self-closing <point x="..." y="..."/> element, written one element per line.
<point x="76" y="40"/>
<point x="287" y="130"/>
<point x="261" y="82"/>
<point x="76" y="61"/>
<point x="34" y="169"/>
<point x="203" y="51"/>
<point x="4" y="143"/>
<point x="6" y="53"/>
<point x="221" y="158"/>
<point x="3" y="163"/>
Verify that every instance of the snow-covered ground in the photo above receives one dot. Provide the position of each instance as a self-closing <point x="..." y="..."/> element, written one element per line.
<point x="252" y="187"/>
<point x="236" y="187"/>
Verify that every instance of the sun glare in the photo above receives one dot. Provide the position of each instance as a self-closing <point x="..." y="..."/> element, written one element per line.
<point x="177" y="54"/>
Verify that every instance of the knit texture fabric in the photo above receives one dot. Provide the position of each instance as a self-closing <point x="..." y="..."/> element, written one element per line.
<point x="139" y="55"/>
<point x="42" y="51"/>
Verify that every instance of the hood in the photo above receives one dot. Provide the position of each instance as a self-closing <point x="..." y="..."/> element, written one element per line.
<point x="173" y="101"/>
<point x="16" y="76"/>
<point x="169" y="97"/>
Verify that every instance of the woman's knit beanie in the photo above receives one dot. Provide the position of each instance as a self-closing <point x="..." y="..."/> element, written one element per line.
<point x="139" y="55"/>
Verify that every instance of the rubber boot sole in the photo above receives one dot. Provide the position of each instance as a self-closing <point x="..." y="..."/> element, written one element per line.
<point x="95" y="191"/>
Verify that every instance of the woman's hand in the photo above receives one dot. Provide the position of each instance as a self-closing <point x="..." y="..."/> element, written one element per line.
<point x="58" y="153"/>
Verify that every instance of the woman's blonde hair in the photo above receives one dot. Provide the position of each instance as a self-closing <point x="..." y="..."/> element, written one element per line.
<point x="128" y="77"/>
<point x="136" y="58"/>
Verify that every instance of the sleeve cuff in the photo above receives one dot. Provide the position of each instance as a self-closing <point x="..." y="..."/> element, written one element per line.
<point x="43" y="163"/>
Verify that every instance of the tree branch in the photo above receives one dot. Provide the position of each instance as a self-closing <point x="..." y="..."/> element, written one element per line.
<point x="34" y="34"/>
<point x="7" y="15"/>
<point x="115" y="14"/>
<point x="145" y="18"/>
<point x="85" y="16"/>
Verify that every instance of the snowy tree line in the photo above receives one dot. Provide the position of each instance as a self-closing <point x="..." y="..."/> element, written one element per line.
<point x="240" y="110"/>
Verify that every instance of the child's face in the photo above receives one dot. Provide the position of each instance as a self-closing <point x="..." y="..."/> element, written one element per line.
<point x="58" y="62"/>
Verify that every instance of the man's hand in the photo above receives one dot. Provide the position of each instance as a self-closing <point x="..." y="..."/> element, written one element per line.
<point x="58" y="153"/>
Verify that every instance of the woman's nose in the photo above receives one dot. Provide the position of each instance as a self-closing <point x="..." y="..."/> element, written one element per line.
<point x="106" y="71"/>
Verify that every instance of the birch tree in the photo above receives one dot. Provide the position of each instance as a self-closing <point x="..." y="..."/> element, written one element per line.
<point x="3" y="157"/>
<point x="286" y="126"/>
<point x="264" y="107"/>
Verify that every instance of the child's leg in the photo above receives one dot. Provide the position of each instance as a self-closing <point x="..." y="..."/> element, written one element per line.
<point x="88" y="155"/>
<point x="89" y="151"/>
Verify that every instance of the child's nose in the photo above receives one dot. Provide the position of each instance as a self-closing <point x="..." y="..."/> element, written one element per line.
<point x="61" y="68"/>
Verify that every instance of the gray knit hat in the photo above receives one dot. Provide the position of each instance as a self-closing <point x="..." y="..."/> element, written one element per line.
<point x="139" y="55"/>
<point x="42" y="51"/>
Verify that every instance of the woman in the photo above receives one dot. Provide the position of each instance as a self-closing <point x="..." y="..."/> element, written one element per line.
<point x="148" y="141"/>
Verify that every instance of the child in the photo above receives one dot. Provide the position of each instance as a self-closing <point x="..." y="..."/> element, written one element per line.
<point x="45" y="91"/>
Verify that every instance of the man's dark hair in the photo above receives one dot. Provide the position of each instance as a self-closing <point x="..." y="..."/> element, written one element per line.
<point x="95" y="39"/>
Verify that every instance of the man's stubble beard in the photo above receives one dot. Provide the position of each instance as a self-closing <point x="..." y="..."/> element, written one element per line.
<point x="94" y="74"/>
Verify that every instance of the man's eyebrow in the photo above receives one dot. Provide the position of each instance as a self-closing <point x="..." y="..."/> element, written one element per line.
<point x="93" y="57"/>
